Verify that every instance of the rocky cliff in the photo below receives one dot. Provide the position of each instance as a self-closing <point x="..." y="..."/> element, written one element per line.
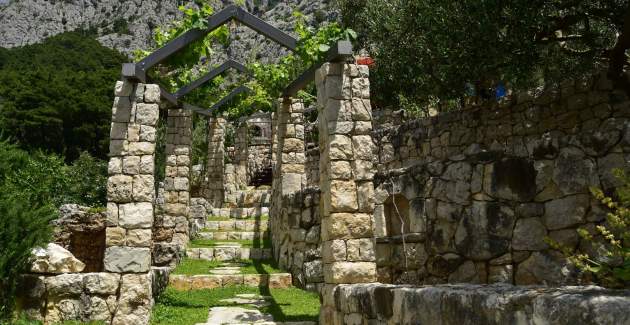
<point x="127" y="24"/>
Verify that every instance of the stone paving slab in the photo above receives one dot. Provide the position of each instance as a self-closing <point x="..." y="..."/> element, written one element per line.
<point x="212" y="281"/>
<point x="236" y="315"/>
<point x="233" y="235"/>
<point x="228" y="253"/>
<point x="238" y="225"/>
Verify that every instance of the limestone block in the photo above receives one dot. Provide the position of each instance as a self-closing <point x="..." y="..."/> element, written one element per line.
<point x="279" y="280"/>
<point x="361" y="88"/>
<point x="180" y="282"/>
<point x="334" y="251"/>
<point x="363" y="147"/>
<point x="199" y="282"/>
<point x="119" y="188"/>
<point x="141" y="148"/>
<point x="139" y="237"/>
<point x="115" y="236"/>
<point x="343" y="196"/>
<point x="542" y="267"/>
<point x="101" y="283"/>
<point x="361" y="250"/>
<point x="118" y="131"/>
<point x="136" y="215"/>
<point x="347" y="226"/>
<point x="127" y="259"/>
<point x="500" y="274"/>
<point x="147" y="164"/>
<point x="350" y="272"/>
<point x="339" y="87"/>
<point x="133" y="132"/>
<point x="181" y="183"/>
<point x="112" y="214"/>
<point x="485" y="231"/>
<point x="340" y="147"/>
<point x="121" y="111"/>
<point x="340" y="170"/>
<point x="152" y="93"/>
<point x="135" y="302"/>
<point x="64" y="285"/>
<point x="147" y="133"/>
<point x="183" y="160"/>
<point x="363" y="170"/>
<point x="365" y="195"/>
<point x="131" y="165"/>
<point x="361" y="110"/>
<point x="566" y="212"/>
<point x="143" y="188"/>
<point x="529" y="234"/>
<point x="118" y="147"/>
<point x="55" y="259"/>
<point x="123" y="88"/>
<point x="114" y="166"/>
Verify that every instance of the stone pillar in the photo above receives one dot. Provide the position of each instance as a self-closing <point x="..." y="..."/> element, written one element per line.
<point x="130" y="195"/>
<point x="172" y="226"/>
<point x="241" y="155"/>
<point x="216" y="161"/>
<point x="346" y="174"/>
<point x="289" y="174"/>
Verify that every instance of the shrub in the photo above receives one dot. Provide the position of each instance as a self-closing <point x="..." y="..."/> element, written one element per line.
<point x="24" y="224"/>
<point x="610" y="266"/>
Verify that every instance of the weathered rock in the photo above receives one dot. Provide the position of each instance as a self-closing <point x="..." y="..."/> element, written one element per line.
<point x="127" y="259"/>
<point x="542" y="267"/>
<point x="55" y="259"/>
<point x="529" y="234"/>
<point x="566" y="212"/>
<point x="485" y="231"/>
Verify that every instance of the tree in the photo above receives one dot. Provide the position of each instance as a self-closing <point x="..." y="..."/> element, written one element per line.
<point x="430" y="49"/>
<point x="57" y="95"/>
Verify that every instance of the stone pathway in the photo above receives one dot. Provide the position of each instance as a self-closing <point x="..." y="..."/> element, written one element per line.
<point x="248" y="314"/>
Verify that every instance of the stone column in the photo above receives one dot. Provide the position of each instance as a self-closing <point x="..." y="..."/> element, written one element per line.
<point x="173" y="224"/>
<point x="346" y="173"/>
<point x="289" y="174"/>
<point x="130" y="195"/>
<point x="241" y="155"/>
<point x="216" y="161"/>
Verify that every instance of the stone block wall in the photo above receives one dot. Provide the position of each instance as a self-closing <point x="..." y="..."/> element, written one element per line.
<point x="345" y="178"/>
<point x="474" y="304"/>
<point x="479" y="190"/>
<point x="215" y="189"/>
<point x="172" y="228"/>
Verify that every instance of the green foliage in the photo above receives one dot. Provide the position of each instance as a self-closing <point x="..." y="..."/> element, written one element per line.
<point x="269" y="79"/>
<point x="611" y="266"/>
<point x="24" y="224"/>
<point x="57" y="95"/>
<point x="429" y="49"/>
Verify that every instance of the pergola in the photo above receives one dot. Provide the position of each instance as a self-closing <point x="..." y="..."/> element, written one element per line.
<point x="341" y="51"/>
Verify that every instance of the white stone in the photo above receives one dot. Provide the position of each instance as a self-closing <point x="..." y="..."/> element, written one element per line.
<point x="55" y="259"/>
<point x="135" y="215"/>
<point x="127" y="259"/>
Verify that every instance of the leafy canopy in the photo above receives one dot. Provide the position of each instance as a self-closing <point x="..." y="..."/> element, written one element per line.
<point x="269" y="79"/>
<point x="430" y="49"/>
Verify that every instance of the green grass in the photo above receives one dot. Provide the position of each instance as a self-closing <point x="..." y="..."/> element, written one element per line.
<point x="208" y="243"/>
<point x="194" y="267"/>
<point x="219" y="218"/>
<point x="24" y="321"/>
<point x="189" y="307"/>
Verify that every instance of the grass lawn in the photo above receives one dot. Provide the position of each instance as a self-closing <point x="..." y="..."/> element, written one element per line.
<point x="208" y="243"/>
<point x="190" y="307"/>
<point x="193" y="267"/>
<point x="219" y="218"/>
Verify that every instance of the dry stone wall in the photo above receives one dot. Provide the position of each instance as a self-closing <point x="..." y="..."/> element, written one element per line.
<point x="295" y="222"/>
<point x="479" y="190"/>
<point x="475" y="304"/>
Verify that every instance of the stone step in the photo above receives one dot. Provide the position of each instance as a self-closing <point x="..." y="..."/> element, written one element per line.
<point x="238" y="225"/>
<point x="240" y="212"/>
<point x="250" y="198"/>
<point x="233" y="235"/>
<point x="228" y="253"/>
<point x="213" y="281"/>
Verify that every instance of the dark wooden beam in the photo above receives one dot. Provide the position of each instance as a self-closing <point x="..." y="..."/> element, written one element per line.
<point x="211" y="75"/>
